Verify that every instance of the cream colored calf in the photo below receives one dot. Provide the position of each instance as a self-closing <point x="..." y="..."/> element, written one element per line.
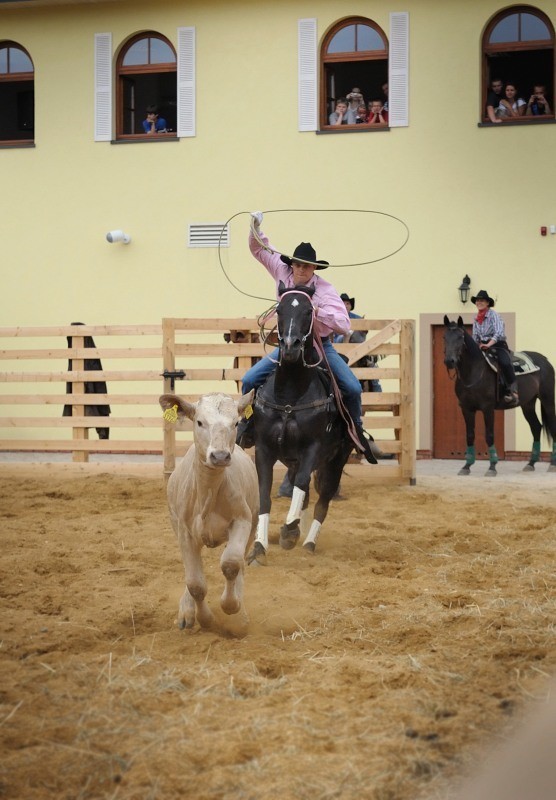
<point x="213" y="498"/>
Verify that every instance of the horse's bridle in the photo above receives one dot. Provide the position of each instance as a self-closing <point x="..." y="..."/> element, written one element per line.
<point x="269" y="315"/>
<point x="457" y="373"/>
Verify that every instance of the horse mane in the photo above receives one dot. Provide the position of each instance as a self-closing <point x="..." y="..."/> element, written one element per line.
<point x="470" y="342"/>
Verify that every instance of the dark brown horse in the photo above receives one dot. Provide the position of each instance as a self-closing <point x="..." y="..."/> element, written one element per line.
<point x="477" y="390"/>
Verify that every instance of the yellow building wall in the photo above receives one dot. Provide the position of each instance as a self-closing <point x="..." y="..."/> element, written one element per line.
<point x="473" y="198"/>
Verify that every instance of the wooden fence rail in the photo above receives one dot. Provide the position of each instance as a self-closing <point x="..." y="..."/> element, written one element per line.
<point x="193" y="346"/>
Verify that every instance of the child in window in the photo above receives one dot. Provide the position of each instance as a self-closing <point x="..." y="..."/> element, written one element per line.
<point x="153" y="123"/>
<point x="361" y="116"/>
<point x="377" y="113"/>
<point x="341" y="115"/>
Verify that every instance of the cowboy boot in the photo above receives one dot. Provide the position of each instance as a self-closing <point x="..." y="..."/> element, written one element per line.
<point x="365" y="439"/>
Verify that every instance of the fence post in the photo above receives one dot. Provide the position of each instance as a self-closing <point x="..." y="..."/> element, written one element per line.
<point x="78" y="434"/>
<point x="407" y="398"/>
<point x="169" y="363"/>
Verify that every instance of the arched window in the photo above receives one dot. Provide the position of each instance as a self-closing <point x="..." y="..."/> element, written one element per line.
<point x="518" y="48"/>
<point x="354" y="54"/>
<point x="146" y="78"/>
<point x="17" y="94"/>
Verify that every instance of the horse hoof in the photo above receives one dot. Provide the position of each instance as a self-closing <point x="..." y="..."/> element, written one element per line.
<point x="529" y="468"/>
<point x="552" y="468"/>
<point x="310" y="547"/>
<point x="464" y="471"/>
<point x="257" y="555"/>
<point x="491" y="472"/>
<point x="289" y="535"/>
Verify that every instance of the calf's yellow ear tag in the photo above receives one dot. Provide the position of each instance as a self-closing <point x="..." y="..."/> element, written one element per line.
<point x="171" y="414"/>
<point x="248" y="411"/>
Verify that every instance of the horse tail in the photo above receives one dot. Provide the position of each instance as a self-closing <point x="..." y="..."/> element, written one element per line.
<point x="548" y="422"/>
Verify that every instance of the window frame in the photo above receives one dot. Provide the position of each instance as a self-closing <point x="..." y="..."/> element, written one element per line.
<point x="499" y="48"/>
<point x="348" y="56"/>
<point x="155" y="68"/>
<point x="19" y="77"/>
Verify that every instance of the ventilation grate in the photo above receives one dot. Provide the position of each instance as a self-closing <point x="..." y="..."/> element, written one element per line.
<point x="209" y="234"/>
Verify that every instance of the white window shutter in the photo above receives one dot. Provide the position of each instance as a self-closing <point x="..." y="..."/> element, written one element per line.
<point x="398" y="69"/>
<point x="307" y="75"/>
<point x="186" y="82"/>
<point x="103" y="87"/>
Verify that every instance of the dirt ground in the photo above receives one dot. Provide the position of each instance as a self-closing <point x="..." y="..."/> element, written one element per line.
<point x="381" y="668"/>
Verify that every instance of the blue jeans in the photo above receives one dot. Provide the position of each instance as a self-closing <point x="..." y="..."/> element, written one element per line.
<point x="348" y="383"/>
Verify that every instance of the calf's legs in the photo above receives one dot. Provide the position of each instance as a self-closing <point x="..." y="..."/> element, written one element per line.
<point x="232" y="564"/>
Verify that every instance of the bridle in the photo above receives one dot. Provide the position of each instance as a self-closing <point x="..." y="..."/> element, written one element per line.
<point x="457" y="373"/>
<point x="272" y="313"/>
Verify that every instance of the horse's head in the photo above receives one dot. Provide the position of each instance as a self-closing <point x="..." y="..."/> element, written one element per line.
<point x="295" y="321"/>
<point x="454" y="341"/>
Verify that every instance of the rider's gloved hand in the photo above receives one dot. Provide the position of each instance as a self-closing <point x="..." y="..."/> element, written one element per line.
<point x="257" y="218"/>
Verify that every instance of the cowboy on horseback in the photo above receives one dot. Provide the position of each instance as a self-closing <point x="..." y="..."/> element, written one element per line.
<point x="490" y="334"/>
<point x="330" y="318"/>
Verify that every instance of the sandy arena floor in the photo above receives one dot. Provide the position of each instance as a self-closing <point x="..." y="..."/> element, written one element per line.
<point x="380" y="668"/>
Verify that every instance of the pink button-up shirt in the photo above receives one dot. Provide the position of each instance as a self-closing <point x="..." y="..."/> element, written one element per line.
<point x="332" y="316"/>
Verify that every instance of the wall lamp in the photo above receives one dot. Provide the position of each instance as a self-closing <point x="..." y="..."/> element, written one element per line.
<point x="118" y="236"/>
<point x="465" y="289"/>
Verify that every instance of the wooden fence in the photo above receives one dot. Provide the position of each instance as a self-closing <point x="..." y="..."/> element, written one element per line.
<point x="195" y="359"/>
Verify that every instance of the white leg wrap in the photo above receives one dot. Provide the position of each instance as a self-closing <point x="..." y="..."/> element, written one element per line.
<point x="314" y="531"/>
<point x="262" y="530"/>
<point x="298" y="497"/>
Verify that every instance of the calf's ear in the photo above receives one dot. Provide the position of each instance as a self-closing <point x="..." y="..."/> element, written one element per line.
<point x="245" y="401"/>
<point x="184" y="409"/>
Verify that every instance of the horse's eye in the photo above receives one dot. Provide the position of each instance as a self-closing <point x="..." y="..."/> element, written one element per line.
<point x="199" y="423"/>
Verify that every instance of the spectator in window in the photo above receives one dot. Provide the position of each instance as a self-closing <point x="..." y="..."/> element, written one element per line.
<point x="361" y="116"/>
<point x="538" y="104"/>
<point x="153" y="123"/>
<point x="384" y="88"/>
<point x="377" y="114"/>
<point x="341" y="116"/>
<point x="511" y="105"/>
<point x="493" y="99"/>
<point x="354" y="98"/>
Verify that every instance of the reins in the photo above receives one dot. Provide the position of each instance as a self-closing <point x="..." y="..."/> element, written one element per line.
<point x="271" y="313"/>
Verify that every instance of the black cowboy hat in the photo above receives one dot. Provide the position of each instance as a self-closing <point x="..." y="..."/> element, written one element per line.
<point x="305" y="252"/>
<point x="351" y="300"/>
<point x="482" y="295"/>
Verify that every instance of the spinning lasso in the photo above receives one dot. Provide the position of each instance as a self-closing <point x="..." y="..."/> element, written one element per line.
<point x="317" y="210"/>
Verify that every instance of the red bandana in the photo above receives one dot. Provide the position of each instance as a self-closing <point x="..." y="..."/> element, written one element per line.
<point x="481" y="315"/>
